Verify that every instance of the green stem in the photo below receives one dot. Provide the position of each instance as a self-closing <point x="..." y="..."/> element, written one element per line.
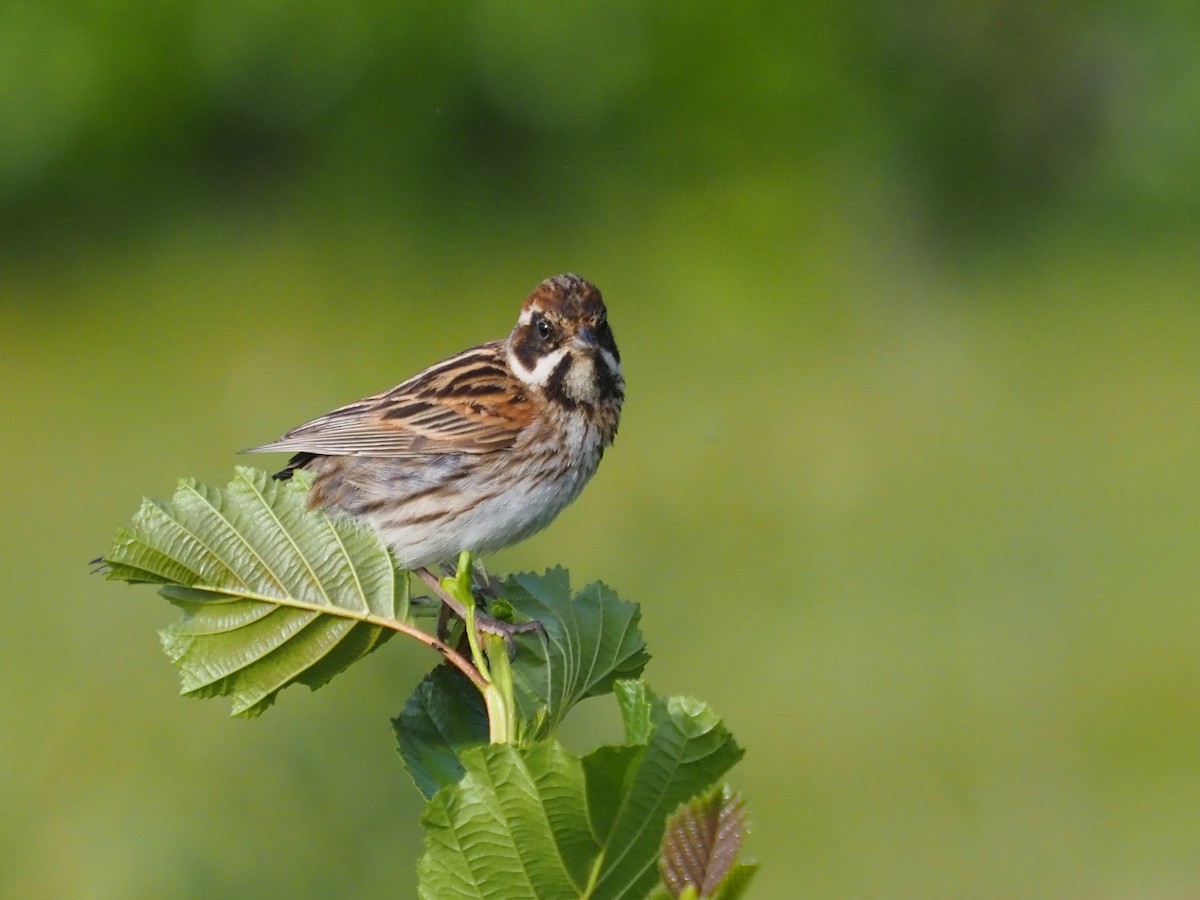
<point x="492" y="665"/>
<point x="502" y="713"/>
<point x="459" y="587"/>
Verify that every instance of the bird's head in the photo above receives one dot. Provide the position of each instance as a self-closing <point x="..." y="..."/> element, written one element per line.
<point x="562" y="344"/>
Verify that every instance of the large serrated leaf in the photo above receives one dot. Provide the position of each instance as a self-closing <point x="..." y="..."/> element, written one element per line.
<point x="591" y="640"/>
<point x="539" y="822"/>
<point x="511" y="827"/>
<point x="444" y="716"/>
<point x="272" y="593"/>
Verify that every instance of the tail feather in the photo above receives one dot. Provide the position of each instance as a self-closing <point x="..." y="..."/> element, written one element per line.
<point x="299" y="461"/>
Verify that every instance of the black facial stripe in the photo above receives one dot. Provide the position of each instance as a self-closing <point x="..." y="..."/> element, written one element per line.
<point x="607" y="382"/>
<point x="608" y="342"/>
<point x="554" y="384"/>
<point x="608" y="386"/>
<point x="527" y="348"/>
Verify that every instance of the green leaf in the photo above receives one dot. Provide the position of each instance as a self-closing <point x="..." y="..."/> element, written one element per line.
<point x="591" y="640"/>
<point x="540" y="822"/>
<point x="609" y="771"/>
<point x="513" y="826"/>
<point x="272" y="593"/>
<point x="736" y="882"/>
<point x="445" y="716"/>
<point x="689" y="751"/>
<point x="702" y="842"/>
<point x="733" y="887"/>
<point x="636" y="701"/>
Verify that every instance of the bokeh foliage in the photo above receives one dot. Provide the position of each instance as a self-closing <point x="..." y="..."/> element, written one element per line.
<point x="906" y="297"/>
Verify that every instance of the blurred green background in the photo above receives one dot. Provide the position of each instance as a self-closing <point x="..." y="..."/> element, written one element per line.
<point x="906" y="482"/>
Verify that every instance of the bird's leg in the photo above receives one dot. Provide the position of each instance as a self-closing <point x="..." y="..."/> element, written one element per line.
<point x="443" y="621"/>
<point x="456" y="594"/>
<point x="483" y="586"/>
<point x="487" y="587"/>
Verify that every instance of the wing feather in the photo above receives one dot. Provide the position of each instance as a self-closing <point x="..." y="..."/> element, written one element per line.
<point x="470" y="403"/>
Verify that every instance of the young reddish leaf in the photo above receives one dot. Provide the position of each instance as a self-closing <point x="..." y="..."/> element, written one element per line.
<point x="702" y="843"/>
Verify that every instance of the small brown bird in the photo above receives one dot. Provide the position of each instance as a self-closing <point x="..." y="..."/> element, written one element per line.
<point x="482" y="450"/>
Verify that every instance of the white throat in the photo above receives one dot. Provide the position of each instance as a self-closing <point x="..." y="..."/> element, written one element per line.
<point x="580" y="381"/>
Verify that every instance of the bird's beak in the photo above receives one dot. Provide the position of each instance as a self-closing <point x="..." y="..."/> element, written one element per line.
<point x="585" y="339"/>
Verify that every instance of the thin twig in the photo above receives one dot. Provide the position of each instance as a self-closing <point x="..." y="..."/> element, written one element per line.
<point x="435" y="585"/>
<point x="452" y="656"/>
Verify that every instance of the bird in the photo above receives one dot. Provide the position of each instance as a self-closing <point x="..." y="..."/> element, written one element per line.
<point x="482" y="450"/>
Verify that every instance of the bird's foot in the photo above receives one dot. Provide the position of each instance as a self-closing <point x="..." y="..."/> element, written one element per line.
<point x="484" y="587"/>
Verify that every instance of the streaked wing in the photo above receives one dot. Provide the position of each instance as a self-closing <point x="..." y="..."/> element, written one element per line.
<point x="471" y="403"/>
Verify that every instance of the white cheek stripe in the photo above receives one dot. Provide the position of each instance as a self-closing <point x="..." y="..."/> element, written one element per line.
<point x="611" y="361"/>
<point x="542" y="371"/>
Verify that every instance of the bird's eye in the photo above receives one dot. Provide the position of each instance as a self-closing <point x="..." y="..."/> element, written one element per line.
<point x="543" y="328"/>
